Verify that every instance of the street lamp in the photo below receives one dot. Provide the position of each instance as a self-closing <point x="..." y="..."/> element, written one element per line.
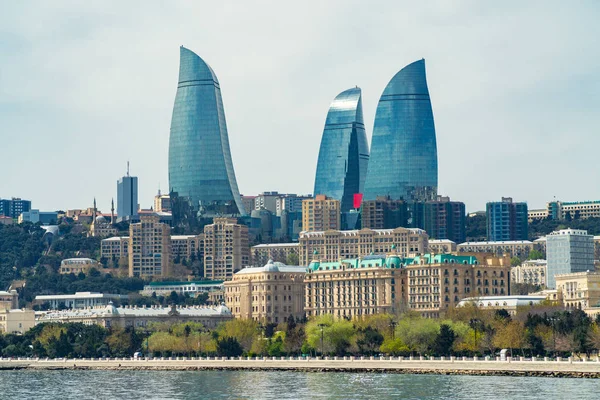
<point x="474" y="322"/>
<point x="393" y="327"/>
<point x="322" y="326"/>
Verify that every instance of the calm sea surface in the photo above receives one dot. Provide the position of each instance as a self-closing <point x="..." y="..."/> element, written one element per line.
<point x="132" y="385"/>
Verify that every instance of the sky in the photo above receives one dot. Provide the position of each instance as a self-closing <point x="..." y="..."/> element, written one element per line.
<point x="87" y="86"/>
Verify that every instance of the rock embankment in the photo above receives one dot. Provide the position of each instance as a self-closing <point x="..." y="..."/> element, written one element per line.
<point x="564" y="369"/>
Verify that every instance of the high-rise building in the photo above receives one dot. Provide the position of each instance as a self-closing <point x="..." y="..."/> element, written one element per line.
<point x="321" y="214"/>
<point x="226" y="248"/>
<point x="567" y="251"/>
<point x="127" y="197"/>
<point x="14" y="207"/>
<point x="200" y="165"/>
<point x="506" y="220"/>
<point x="149" y="247"/>
<point x="403" y="160"/>
<point x="384" y="213"/>
<point x="344" y="152"/>
<point x="444" y="219"/>
<point x="281" y="252"/>
<point x="340" y="245"/>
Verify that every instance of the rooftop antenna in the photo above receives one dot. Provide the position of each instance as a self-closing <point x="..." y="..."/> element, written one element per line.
<point x="127" y="168"/>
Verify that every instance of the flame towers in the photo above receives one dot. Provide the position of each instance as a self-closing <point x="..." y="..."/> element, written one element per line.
<point x="200" y="166"/>
<point x="344" y="152"/>
<point x="403" y="162"/>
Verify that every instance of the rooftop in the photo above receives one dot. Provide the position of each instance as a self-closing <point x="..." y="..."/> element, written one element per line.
<point x="81" y="295"/>
<point x="273" y="245"/>
<point x="506" y="242"/>
<point x="271" y="266"/>
<point x="110" y="310"/>
<point x="184" y="283"/>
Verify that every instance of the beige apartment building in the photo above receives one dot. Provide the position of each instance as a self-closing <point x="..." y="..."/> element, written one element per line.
<point x="187" y="246"/>
<point x="226" y="249"/>
<point x="262" y="253"/>
<point x="335" y="245"/>
<point x="438" y="282"/>
<point x="114" y="247"/>
<point x="320" y="214"/>
<point x="149" y="247"/>
<point x="270" y="293"/>
<point x="514" y="248"/>
<point x="16" y="321"/>
<point x="78" y="265"/>
<point x="9" y="300"/>
<point x="579" y="290"/>
<point x="531" y="272"/>
<point x="162" y="203"/>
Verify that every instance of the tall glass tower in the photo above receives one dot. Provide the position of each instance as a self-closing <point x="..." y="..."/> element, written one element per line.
<point x="403" y="161"/>
<point x="344" y="152"/>
<point x="200" y="166"/>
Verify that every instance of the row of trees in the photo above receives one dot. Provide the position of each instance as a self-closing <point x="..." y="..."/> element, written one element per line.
<point x="536" y="331"/>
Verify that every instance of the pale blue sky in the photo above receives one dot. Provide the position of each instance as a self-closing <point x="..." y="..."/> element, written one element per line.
<point x="86" y="86"/>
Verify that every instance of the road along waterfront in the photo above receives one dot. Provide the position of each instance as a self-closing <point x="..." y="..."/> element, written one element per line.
<point x="450" y="366"/>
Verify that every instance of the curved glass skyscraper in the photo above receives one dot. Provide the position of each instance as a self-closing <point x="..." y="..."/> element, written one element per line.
<point x="200" y="166"/>
<point x="344" y="152"/>
<point x="403" y="160"/>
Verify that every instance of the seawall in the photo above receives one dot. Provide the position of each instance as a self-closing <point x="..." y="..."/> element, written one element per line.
<point x="524" y="367"/>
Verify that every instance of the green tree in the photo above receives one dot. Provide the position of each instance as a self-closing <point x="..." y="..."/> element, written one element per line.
<point x="229" y="347"/>
<point x="292" y="259"/>
<point x="444" y="340"/>
<point x="535" y="255"/>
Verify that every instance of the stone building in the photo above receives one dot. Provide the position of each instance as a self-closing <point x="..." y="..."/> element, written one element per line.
<point x="78" y="265"/>
<point x="321" y="214"/>
<point x="514" y="248"/>
<point x="16" y="321"/>
<point x="149" y="247"/>
<point x="226" y="248"/>
<point x="334" y="246"/>
<point x="531" y="272"/>
<point x="441" y="246"/>
<point x="579" y="290"/>
<point x="270" y="293"/>
<point x="9" y="300"/>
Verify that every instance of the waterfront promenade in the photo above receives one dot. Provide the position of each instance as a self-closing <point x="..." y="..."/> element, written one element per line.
<point x="519" y="367"/>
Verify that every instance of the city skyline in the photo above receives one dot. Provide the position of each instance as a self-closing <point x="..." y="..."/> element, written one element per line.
<point x="89" y="90"/>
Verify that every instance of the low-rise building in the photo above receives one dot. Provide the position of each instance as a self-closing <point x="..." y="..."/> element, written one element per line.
<point x="270" y="293"/>
<point x="508" y="303"/>
<point x="579" y="290"/>
<point x="9" y="300"/>
<point x="192" y="288"/>
<point x="532" y="272"/>
<point x="333" y="246"/>
<point x="139" y="317"/>
<point x="114" y="247"/>
<point x="4" y="220"/>
<point x="262" y="253"/>
<point x="514" y="248"/>
<point x="16" y="321"/>
<point x="187" y="246"/>
<point x="79" y="300"/>
<point x="78" y="265"/>
<point x="441" y="246"/>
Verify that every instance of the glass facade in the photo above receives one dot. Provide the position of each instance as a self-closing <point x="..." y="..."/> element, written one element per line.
<point x="506" y="220"/>
<point x="127" y="197"/>
<point x="344" y="152"/>
<point x="568" y="251"/>
<point x="200" y="166"/>
<point x="403" y="161"/>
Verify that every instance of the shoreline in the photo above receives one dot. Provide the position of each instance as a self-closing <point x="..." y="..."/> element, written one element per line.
<point x="554" y="369"/>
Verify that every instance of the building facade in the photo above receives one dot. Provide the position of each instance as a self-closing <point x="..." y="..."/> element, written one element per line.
<point x="531" y="272"/>
<point x="114" y="247"/>
<point x="200" y="164"/>
<point x="79" y="300"/>
<point x="14" y="207"/>
<point x="567" y="251"/>
<point x="332" y="246"/>
<point x="441" y="219"/>
<point x="441" y="246"/>
<point x="226" y="249"/>
<point x="508" y="303"/>
<point x="162" y="202"/>
<point x="507" y="220"/>
<point x="35" y="216"/>
<point x="403" y="159"/>
<point x="270" y="293"/>
<point x="353" y="288"/>
<point x="9" y="300"/>
<point x="16" y="321"/>
<point x="280" y="252"/>
<point x="191" y="288"/>
<point x="320" y="214"/>
<point x="344" y="152"/>
<point x="514" y="248"/>
<point x="187" y="246"/>
<point x="78" y="265"/>
<point x="149" y="247"/>
<point x="560" y="210"/>
<point x="384" y="213"/>
<point x="579" y="290"/>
